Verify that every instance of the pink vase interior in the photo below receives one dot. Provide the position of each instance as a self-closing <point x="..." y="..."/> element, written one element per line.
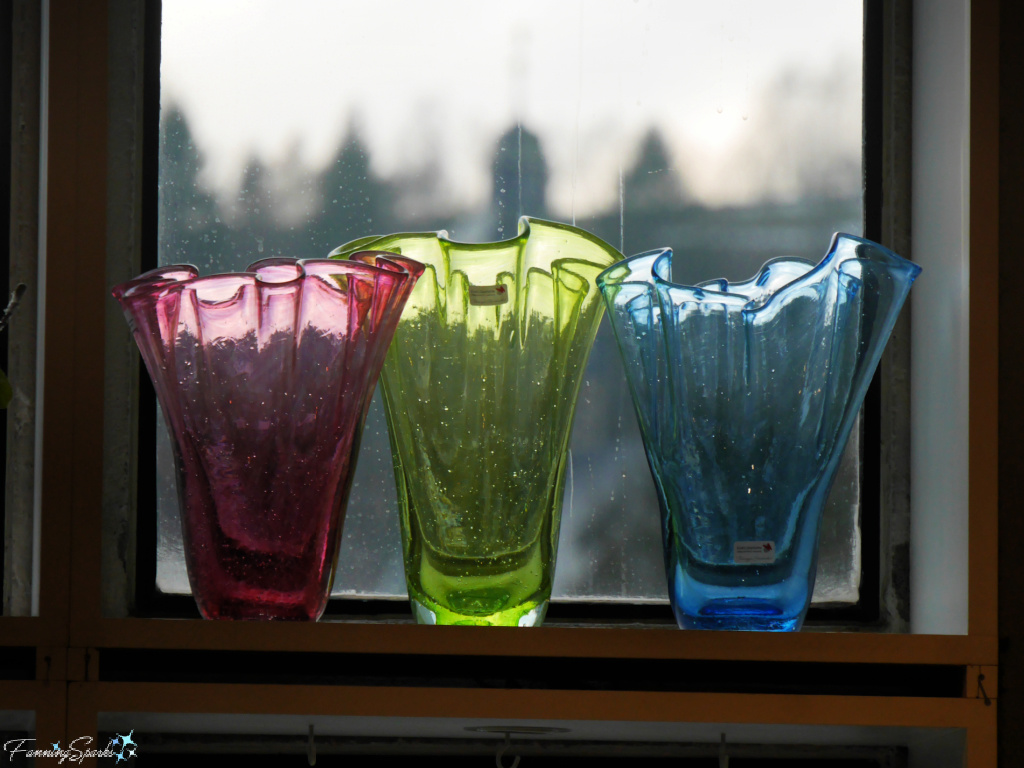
<point x="264" y="378"/>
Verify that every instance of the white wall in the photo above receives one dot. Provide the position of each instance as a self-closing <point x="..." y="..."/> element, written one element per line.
<point x="939" y="305"/>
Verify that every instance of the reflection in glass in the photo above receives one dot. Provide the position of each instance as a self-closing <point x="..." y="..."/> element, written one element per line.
<point x="746" y="393"/>
<point x="718" y="128"/>
<point x="480" y="387"/>
<point x="265" y="377"/>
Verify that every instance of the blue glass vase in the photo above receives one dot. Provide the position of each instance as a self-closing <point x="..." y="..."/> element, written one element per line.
<point x="746" y="394"/>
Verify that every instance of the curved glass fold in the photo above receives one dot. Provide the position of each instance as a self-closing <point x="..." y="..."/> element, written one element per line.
<point x="480" y="388"/>
<point x="264" y="378"/>
<point x="746" y="394"/>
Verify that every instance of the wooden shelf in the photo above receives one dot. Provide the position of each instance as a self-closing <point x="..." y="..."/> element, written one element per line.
<point x="546" y="641"/>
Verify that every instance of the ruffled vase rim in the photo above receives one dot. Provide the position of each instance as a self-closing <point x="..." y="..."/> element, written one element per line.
<point x="526" y="224"/>
<point x="661" y="260"/>
<point x="169" y="277"/>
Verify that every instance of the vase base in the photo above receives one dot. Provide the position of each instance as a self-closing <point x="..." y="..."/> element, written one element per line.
<point x="243" y="610"/>
<point x="741" y="615"/>
<point x="429" y="612"/>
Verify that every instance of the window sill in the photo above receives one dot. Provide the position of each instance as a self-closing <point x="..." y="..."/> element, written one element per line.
<point x="644" y="641"/>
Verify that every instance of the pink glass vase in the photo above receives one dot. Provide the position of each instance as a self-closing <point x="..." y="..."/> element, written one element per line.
<point x="264" y="378"/>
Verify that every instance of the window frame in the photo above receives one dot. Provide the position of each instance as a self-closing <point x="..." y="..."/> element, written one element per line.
<point x="874" y="609"/>
<point x="78" y="149"/>
<point x="72" y="629"/>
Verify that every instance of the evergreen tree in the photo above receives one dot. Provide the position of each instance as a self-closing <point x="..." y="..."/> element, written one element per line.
<point x="253" y="197"/>
<point x="520" y="180"/>
<point x="188" y="220"/>
<point x="653" y="184"/>
<point x="355" y="203"/>
<point x="250" y="236"/>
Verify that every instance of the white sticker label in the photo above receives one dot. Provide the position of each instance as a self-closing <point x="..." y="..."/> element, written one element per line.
<point x="753" y="552"/>
<point x="488" y="295"/>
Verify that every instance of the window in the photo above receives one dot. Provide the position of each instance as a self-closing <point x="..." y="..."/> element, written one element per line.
<point x="719" y="132"/>
<point x="950" y="727"/>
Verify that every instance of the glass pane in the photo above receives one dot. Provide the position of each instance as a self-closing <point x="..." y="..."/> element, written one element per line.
<point x="729" y="131"/>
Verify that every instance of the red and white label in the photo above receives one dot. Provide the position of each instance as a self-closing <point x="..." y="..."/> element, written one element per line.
<point x="488" y="295"/>
<point x="753" y="552"/>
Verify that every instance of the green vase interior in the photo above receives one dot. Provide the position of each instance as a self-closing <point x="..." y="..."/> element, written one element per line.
<point x="480" y="387"/>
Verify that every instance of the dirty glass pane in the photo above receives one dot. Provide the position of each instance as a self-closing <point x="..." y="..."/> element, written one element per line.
<point x="730" y="131"/>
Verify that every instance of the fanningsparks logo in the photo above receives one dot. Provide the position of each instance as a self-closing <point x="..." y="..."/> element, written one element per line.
<point x="119" y="747"/>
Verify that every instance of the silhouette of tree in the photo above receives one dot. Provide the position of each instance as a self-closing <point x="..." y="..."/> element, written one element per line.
<point x="520" y="179"/>
<point x="253" y="197"/>
<point x="252" y="235"/>
<point x="616" y="544"/>
<point x="653" y="184"/>
<point x="355" y="201"/>
<point x="188" y="214"/>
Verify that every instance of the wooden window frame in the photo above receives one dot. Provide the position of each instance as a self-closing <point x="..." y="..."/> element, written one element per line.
<point x="71" y="632"/>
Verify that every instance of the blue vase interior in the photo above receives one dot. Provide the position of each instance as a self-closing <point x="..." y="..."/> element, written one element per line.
<point x="746" y="394"/>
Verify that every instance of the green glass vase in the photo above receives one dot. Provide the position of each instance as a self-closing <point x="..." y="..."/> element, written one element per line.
<point x="480" y="387"/>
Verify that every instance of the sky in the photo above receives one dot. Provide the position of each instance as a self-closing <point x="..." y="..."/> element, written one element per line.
<point x="742" y="92"/>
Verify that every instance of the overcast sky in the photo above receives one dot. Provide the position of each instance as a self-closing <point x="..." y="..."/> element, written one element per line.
<point x="285" y="80"/>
